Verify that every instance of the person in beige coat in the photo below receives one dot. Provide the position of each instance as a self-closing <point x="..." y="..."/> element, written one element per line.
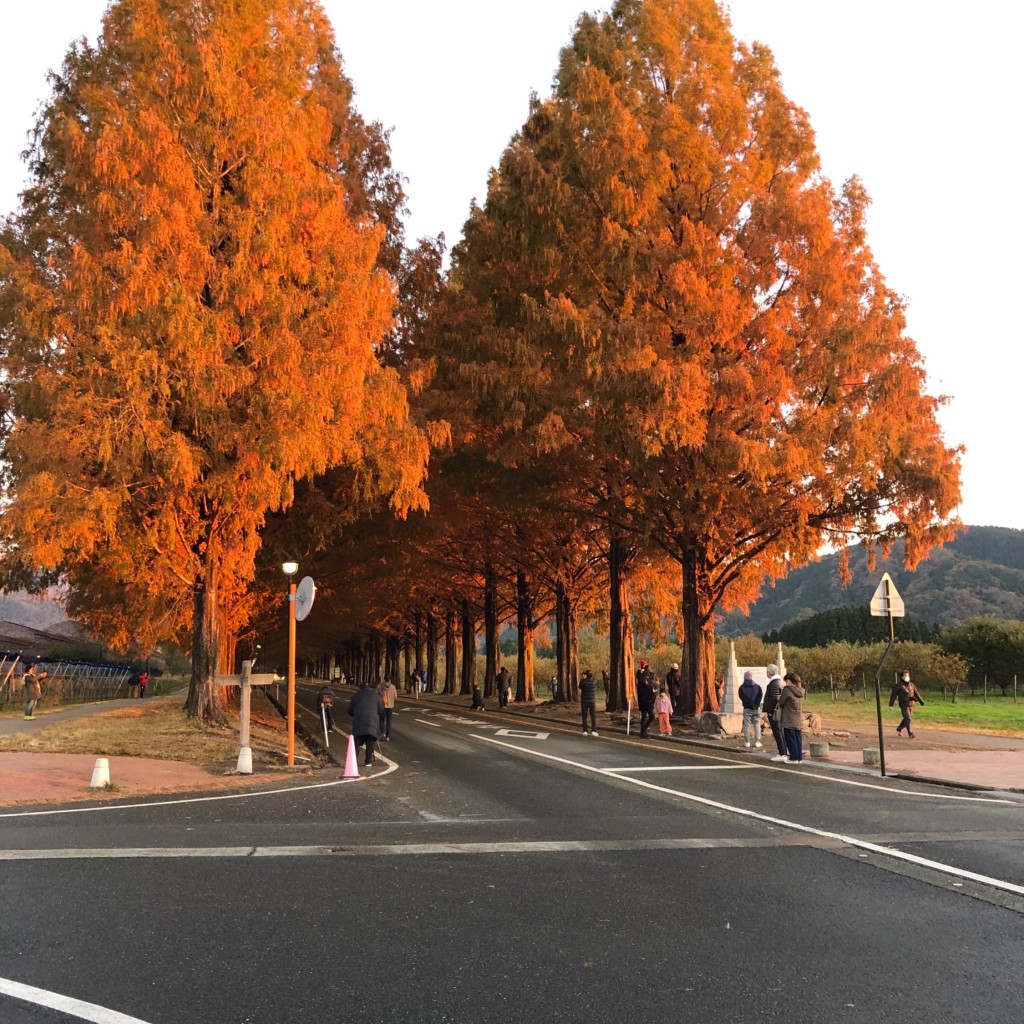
<point x="791" y="708"/>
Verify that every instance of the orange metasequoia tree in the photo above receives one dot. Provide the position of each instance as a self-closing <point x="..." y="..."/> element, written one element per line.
<point x="669" y="288"/>
<point x="192" y="296"/>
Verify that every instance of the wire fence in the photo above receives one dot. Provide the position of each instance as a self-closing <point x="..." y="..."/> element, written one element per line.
<point x="66" y="682"/>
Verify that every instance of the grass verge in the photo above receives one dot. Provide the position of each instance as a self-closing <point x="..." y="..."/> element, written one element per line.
<point x="158" y="730"/>
<point x="997" y="716"/>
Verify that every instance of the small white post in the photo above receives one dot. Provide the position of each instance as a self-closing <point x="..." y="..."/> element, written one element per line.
<point x="245" y="696"/>
<point x="323" y="718"/>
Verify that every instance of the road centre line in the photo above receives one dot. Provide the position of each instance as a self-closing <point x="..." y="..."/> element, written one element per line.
<point x="860" y="844"/>
<point x="423" y="721"/>
<point x="65" y="1004"/>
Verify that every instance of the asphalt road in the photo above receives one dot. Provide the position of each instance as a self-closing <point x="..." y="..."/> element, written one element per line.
<point x="498" y="875"/>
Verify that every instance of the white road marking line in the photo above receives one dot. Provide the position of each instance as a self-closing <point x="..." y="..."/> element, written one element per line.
<point x="522" y="734"/>
<point x="423" y="721"/>
<point x="814" y="777"/>
<point x="65" y="1004"/>
<point x="860" y="844"/>
<point x="684" y="768"/>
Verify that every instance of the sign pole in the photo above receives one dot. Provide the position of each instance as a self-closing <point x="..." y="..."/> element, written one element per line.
<point x="885" y="602"/>
<point x="291" y="672"/>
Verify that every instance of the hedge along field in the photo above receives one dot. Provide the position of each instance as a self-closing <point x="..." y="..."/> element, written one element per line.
<point x="998" y="715"/>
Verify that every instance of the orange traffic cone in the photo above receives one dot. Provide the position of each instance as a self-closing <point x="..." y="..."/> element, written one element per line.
<point x="351" y="768"/>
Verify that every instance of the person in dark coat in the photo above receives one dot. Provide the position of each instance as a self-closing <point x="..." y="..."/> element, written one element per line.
<point x="325" y="706"/>
<point x="771" y="702"/>
<point x="645" y="697"/>
<point x="478" y="699"/>
<point x="588" y="701"/>
<point x="750" y="697"/>
<point x="365" y="708"/>
<point x="906" y="693"/>
<point x="674" y="683"/>
<point x="504" y="684"/>
<point x="791" y="703"/>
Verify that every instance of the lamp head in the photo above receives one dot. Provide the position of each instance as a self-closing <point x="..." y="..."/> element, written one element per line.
<point x="290" y="568"/>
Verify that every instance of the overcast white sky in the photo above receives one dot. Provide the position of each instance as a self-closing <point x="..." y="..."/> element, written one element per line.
<point x="922" y="100"/>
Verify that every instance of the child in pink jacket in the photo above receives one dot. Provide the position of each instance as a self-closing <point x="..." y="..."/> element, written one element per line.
<point x="663" y="708"/>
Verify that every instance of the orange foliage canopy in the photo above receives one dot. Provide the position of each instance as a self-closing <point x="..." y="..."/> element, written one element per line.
<point x="662" y="282"/>
<point x="193" y="298"/>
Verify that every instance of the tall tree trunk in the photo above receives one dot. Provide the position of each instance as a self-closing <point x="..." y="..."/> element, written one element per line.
<point x="560" y="645"/>
<point x="468" y="650"/>
<point x="419" y="641"/>
<point x="403" y="685"/>
<point x="492" y="657"/>
<point x="621" y="682"/>
<point x="451" y="651"/>
<point x="431" y="653"/>
<point x="699" y="630"/>
<point x="203" y="693"/>
<point x="524" y="628"/>
<point x="391" y="660"/>
<point x="572" y="651"/>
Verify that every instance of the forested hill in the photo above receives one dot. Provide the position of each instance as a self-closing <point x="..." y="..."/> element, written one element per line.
<point x="981" y="572"/>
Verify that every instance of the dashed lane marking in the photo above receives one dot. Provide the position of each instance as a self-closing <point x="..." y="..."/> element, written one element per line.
<point x="522" y="734"/>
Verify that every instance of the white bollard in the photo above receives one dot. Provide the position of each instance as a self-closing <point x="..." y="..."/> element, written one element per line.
<point x="100" y="774"/>
<point x="244" y="761"/>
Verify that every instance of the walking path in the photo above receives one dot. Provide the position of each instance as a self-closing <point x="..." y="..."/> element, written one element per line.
<point x="952" y="758"/>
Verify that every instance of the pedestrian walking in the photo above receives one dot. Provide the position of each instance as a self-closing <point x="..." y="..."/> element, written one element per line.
<point x="143" y="679"/>
<point x="33" y="691"/>
<point x="478" y="699"/>
<point x="325" y="706"/>
<point x="750" y="697"/>
<point x="771" y="703"/>
<point x="388" y="695"/>
<point x="663" y="709"/>
<point x="588" y="701"/>
<point x="504" y="684"/>
<point x="645" y="697"/>
<point x="674" y="682"/>
<point x="133" y="685"/>
<point x="364" y="708"/>
<point x="906" y="693"/>
<point x="554" y="687"/>
<point x="791" y="707"/>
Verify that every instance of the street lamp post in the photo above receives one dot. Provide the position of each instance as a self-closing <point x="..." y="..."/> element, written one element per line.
<point x="290" y="569"/>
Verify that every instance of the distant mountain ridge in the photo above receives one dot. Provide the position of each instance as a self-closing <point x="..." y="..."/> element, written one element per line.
<point x="980" y="572"/>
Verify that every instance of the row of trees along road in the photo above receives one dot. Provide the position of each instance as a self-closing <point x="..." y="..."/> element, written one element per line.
<point x="663" y="350"/>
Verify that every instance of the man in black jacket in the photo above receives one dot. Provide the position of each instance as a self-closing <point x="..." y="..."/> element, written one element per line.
<point x="588" y="701"/>
<point x="645" y="696"/>
<point x="365" y="707"/>
<point x="771" y="702"/>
